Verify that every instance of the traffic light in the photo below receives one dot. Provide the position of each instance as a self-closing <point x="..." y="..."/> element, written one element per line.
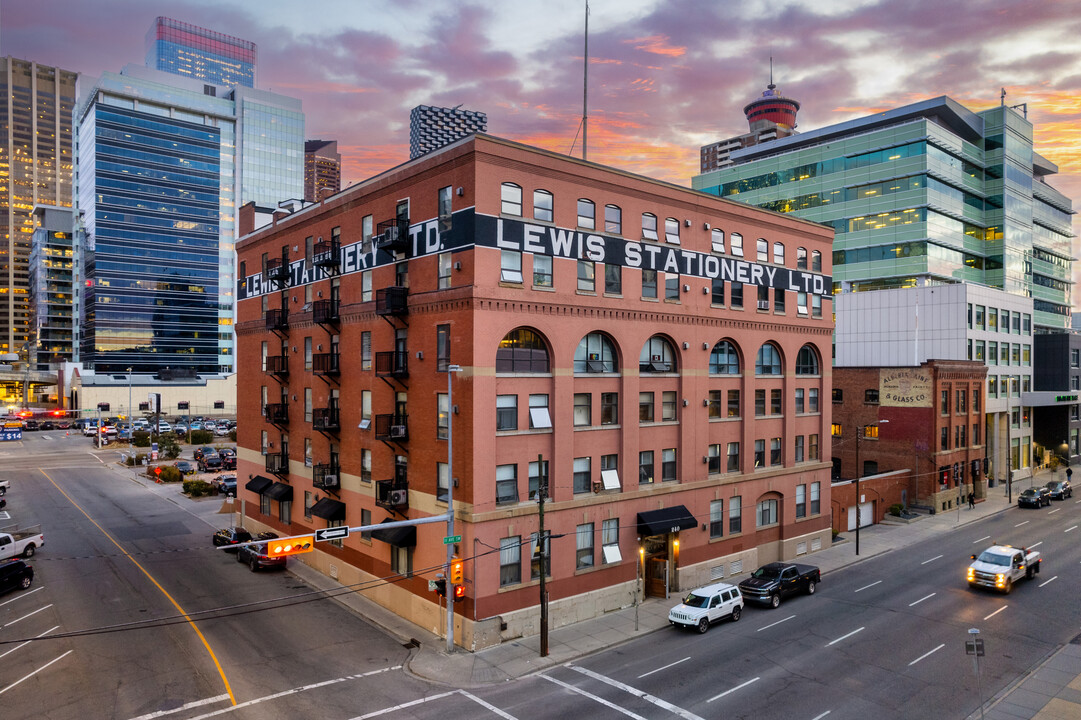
<point x="441" y="587"/>
<point x="290" y="546"/>
<point x="459" y="592"/>
<point x="456" y="567"/>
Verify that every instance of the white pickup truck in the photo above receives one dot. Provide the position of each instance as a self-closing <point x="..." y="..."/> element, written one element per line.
<point x="20" y="542"/>
<point x="999" y="566"/>
<point x="4" y="484"/>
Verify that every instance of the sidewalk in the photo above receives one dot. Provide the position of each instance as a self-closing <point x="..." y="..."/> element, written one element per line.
<point x="1052" y="692"/>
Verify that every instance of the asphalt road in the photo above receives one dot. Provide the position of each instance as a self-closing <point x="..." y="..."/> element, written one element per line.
<point x="882" y="639"/>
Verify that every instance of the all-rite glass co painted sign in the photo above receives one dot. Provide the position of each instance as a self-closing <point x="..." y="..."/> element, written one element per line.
<point x="469" y="229"/>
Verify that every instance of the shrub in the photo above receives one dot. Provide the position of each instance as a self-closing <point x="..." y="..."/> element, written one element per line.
<point x="170" y="474"/>
<point x="134" y="460"/>
<point x="140" y="438"/>
<point x="168" y="447"/>
<point x="896" y="509"/>
<point x="198" y="488"/>
<point x="232" y="435"/>
<point x="201" y="437"/>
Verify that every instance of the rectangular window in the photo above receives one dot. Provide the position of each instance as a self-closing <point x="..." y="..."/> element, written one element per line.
<point x="609" y="408"/>
<point x="714" y="411"/>
<point x="733" y="457"/>
<point x="763" y="297"/>
<point x="582" y="475"/>
<point x="801" y="501"/>
<point x="668" y="465"/>
<point x="444" y="270"/>
<point x="613" y="279"/>
<point x="285" y="511"/>
<point x="511" y="199"/>
<point x="309" y="500"/>
<point x="366" y="286"/>
<point x="506" y="412"/>
<point x="365" y="465"/>
<point x="815" y="499"/>
<point x="307" y="405"/>
<point x="610" y="541"/>
<point x="767" y="513"/>
<point x="759" y="403"/>
<point x="645" y="467"/>
<point x="307" y="452"/>
<point x="735" y="300"/>
<point x="510" y="561"/>
<point x="583" y="409"/>
<point x="366" y="225"/>
<point x="586" y="279"/>
<point x="583" y="557"/>
<point x="775" y="451"/>
<point x="264" y="503"/>
<point x="735" y="515"/>
<point x="613" y="220"/>
<point x="610" y="472"/>
<point x="668" y="406"/>
<point x="800" y="404"/>
<point x="366" y="350"/>
<point x="444" y="198"/>
<point x="538" y="477"/>
<point x="801" y="303"/>
<point x="816" y="306"/>
<point x="510" y="266"/>
<point x="540" y="551"/>
<point x="716" y="518"/>
<point x="778" y="300"/>
<point x="442" y="347"/>
<point x="812" y="447"/>
<point x="776" y="404"/>
<point x="870" y="396"/>
<point x="542" y="270"/>
<point x="506" y="484"/>
<point x="671" y="286"/>
<point x="307" y="353"/>
<point x="944" y="438"/>
<point x="649" y="283"/>
<point x="401" y="560"/>
<point x="944" y="404"/>
<point x="733" y="404"/>
<point x="800" y="448"/>
<point x="717" y="290"/>
<point x="713" y="458"/>
<point x="645" y="407"/>
<point x="366" y="519"/>
<point x="539" y="416"/>
<point x="365" y="404"/>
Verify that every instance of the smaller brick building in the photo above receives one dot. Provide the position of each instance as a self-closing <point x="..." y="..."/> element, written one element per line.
<point x="922" y="422"/>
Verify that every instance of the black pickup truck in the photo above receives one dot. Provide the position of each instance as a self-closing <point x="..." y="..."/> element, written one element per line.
<point x="771" y="583"/>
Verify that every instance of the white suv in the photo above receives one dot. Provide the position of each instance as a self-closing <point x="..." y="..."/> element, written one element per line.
<point x="707" y="605"/>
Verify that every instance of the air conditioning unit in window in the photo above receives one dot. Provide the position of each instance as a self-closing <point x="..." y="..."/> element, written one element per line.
<point x="390" y="235"/>
<point x="763" y="304"/>
<point x="397" y="431"/>
<point x="398" y="497"/>
<point x="330" y="481"/>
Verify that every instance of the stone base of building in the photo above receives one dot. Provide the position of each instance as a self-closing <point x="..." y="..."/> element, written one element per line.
<point x="948" y="499"/>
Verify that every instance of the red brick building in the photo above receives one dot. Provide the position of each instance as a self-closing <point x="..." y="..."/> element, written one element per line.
<point x="657" y="356"/>
<point x="923" y="420"/>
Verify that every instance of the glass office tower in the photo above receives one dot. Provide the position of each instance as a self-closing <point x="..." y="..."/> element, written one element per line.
<point x="191" y="51"/>
<point x="924" y="194"/>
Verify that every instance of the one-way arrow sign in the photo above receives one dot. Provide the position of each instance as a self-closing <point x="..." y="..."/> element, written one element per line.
<point x="331" y="533"/>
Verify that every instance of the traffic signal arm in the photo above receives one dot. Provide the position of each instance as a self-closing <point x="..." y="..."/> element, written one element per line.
<point x="281" y="547"/>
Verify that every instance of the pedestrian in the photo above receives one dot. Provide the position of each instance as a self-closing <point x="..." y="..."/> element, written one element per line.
<point x="972" y="501"/>
<point x="1069" y="473"/>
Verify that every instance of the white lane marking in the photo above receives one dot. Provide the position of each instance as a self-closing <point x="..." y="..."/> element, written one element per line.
<point x="876" y="582"/>
<point x="677" y="662"/>
<point x="96" y="458"/>
<point x="28" y="615"/>
<point x="996" y="612"/>
<point x="27" y="642"/>
<point x="737" y="687"/>
<point x="22" y="595"/>
<point x="921" y="600"/>
<point x="819" y="717"/>
<point x="294" y="691"/>
<point x="844" y="636"/>
<point x="664" y="704"/>
<point x="488" y="706"/>
<point x="927" y="654"/>
<point x="182" y="708"/>
<point x="1052" y="512"/>
<point x="985" y="537"/>
<point x="1026" y="522"/>
<point x="591" y="696"/>
<point x="936" y="557"/>
<point x="35" y="672"/>
<point x="1048" y="581"/>
<point x="776" y="623"/>
<point x="1036" y="544"/>
<point x="418" y="701"/>
<point x="1070" y="529"/>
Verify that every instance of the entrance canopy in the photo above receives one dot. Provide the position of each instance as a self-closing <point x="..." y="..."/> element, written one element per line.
<point x="665" y="520"/>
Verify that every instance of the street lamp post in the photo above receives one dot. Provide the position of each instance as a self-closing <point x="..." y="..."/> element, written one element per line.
<point x="451" y="369"/>
<point x="131" y="427"/>
<point x="859" y="474"/>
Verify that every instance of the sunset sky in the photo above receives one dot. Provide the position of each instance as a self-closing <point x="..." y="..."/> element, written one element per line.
<point x="665" y="77"/>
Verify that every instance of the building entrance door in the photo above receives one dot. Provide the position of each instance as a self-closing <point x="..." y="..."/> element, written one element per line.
<point x="656" y="566"/>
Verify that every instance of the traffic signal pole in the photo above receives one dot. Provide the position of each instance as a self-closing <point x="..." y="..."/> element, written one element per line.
<point x="451" y="369"/>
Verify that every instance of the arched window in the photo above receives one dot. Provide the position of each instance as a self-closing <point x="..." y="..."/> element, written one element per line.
<point x="522" y="351"/>
<point x="768" y="361"/>
<point x="671" y="230"/>
<point x="649" y="226"/>
<point x="511" y="196"/>
<point x="778" y="253"/>
<point x="724" y="360"/>
<point x="613" y="219"/>
<point x="657" y="356"/>
<point x="717" y="240"/>
<point x="595" y="354"/>
<point x="587" y="214"/>
<point x="762" y="250"/>
<point x="807" y="361"/>
<point x="801" y="258"/>
<point x="542" y="205"/>
<point x="816" y="260"/>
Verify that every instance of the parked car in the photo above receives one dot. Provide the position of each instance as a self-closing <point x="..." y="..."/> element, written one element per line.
<point x="231" y="536"/>
<point x="255" y="557"/>
<point x="209" y="461"/>
<point x="196" y="425"/>
<point x="63" y="425"/>
<point x="164" y="427"/>
<point x="199" y="452"/>
<point x="48" y="425"/>
<point x="15" y="575"/>
<point x="226" y="485"/>
<point x="180" y="429"/>
<point x="1059" y="489"/>
<point x="209" y="425"/>
<point x="90" y="429"/>
<point x="222" y="431"/>
<point x="185" y="467"/>
<point x="707" y="605"/>
<point x="228" y="458"/>
<point x="31" y="425"/>
<point x="773" y="582"/>
<point x="1035" y="497"/>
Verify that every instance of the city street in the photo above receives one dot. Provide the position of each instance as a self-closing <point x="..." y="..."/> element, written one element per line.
<point x="882" y="638"/>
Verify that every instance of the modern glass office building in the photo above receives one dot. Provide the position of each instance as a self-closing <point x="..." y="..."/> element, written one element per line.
<point x="161" y="160"/>
<point x="191" y="51"/>
<point x="52" y="275"/>
<point x="925" y="194"/>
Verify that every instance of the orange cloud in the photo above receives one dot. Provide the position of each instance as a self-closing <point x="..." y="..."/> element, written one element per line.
<point x="657" y="44"/>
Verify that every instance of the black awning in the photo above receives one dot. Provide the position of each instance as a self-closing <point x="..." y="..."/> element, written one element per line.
<point x="400" y="536"/>
<point x="280" y="492"/>
<point x="329" y="509"/>
<point x="258" y="484"/>
<point x="665" y="520"/>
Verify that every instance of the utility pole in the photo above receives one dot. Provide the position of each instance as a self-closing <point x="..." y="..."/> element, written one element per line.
<point x="451" y="369"/>
<point x="585" y="89"/>
<point x="542" y="491"/>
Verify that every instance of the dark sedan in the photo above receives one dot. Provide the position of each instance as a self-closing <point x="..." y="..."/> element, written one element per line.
<point x="227" y="537"/>
<point x="15" y="575"/>
<point x="1035" y="497"/>
<point x="185" y="467"/>
<point x="1059" y="489"/>
<point x="256" y="558"/>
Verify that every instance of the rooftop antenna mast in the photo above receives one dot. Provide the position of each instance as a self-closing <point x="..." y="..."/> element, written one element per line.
<point x="771" y="85"/>
<point x="585" y="88"/>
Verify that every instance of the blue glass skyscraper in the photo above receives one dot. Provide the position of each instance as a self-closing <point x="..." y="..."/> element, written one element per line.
<point x="191" y="51"/>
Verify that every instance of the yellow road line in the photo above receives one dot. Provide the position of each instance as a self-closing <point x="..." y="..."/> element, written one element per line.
<point x="150" y="577"/>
